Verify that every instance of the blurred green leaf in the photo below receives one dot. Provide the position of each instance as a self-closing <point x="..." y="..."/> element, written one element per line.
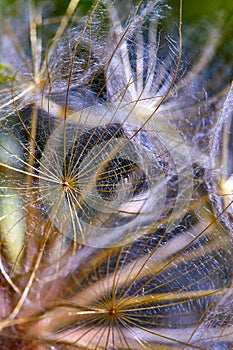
<point x="5" y="73"/>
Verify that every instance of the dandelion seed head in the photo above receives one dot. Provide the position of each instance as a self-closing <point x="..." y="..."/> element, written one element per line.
<point x="114" y="185"/>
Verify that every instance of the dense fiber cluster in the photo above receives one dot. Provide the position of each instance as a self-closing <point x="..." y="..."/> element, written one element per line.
<point x="116" y="184"/>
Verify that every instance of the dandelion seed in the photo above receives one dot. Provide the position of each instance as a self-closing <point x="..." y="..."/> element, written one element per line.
<point x="114" y="184"/>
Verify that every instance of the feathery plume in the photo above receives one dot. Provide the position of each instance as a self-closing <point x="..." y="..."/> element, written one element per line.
<point x="116" y="180"/>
